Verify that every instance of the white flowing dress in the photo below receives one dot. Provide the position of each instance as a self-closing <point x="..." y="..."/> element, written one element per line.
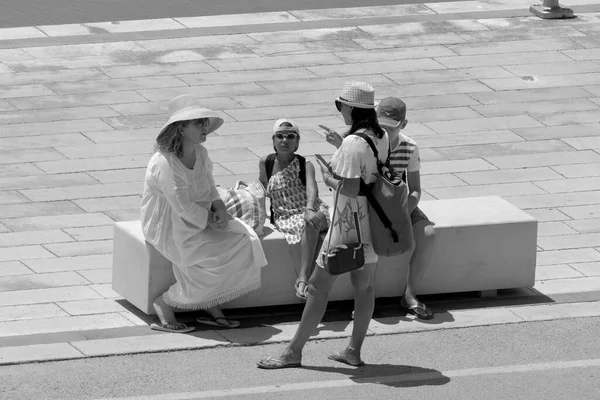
<point x="211" y="266"/>
<point x="354" y="159"/>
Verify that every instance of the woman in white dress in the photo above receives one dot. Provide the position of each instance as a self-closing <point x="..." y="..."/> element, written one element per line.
<point x="216" y="258"/>
<point x="352" y="162"/>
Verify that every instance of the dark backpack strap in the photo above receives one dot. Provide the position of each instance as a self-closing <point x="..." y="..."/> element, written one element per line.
<point x="302" y="172"/>
<point x="366" y="189"/>
<point x="269" y="162"/>
<point x="374" y="149"/>
<point x="380" y="213"/>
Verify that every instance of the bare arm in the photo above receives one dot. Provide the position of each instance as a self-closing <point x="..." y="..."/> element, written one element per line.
<point x="414" y="189"/>
<point x="262" y="172"/>
<point x="311" y="185"/>
<point x="349" y="186"/>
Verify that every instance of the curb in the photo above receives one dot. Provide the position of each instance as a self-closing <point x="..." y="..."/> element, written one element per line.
<point x="102" y="32"/>
<point x="168" y="342"/>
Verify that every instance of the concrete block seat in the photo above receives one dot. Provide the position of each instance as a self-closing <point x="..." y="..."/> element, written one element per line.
<point x="482" y="244"/>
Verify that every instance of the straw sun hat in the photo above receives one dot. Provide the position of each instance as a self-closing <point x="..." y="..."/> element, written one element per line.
<point x="185" y="108"/>
<point x="357" y="94"/>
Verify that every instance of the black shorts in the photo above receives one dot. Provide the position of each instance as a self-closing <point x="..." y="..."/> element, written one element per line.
<point x="418" y="215"/>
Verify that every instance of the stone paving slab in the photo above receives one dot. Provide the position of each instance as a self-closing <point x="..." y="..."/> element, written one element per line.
<point x="277" y="333"/>
<point x="499" y="105"/>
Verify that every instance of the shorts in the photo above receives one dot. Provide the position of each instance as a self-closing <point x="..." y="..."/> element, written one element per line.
<point x="418" y="215"/>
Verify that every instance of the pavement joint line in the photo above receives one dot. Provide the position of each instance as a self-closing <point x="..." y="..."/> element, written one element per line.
<point x="271" y="341"/>
<point x="266" y="27"/>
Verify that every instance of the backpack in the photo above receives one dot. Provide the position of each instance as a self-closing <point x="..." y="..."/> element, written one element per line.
<point x="270" y="162"/>
<point x="389" y="219"/>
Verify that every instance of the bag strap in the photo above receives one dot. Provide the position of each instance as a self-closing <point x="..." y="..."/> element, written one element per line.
<point x="356" y="221"/>
<point x="302" y="172"/>
<point x="369" y="141"/>
<point x="366" y="189"/>
<point x="269" y="162"/>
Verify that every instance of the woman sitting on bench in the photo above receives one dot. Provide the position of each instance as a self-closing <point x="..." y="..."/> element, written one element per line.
<point x="215" y="258"/>
<point x="296" y="210"/>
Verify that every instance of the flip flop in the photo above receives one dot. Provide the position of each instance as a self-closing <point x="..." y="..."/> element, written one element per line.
<point x="339" y="357"/>
<point x="303" y="295"/>
<point x="165" y="328"/>
<point x="277" y="363"/>
<point x="420" y="311"/>
<point x="221" y="322"/>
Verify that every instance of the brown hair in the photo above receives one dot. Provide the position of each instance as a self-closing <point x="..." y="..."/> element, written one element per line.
<point x="170" y="140"/>
<point x="365" y="118"/>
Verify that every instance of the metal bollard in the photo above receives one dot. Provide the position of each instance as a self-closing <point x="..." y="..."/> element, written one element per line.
<point x="550" y="9"/>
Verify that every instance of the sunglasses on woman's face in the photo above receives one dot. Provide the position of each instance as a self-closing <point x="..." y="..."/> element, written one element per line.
<point x="338" y="105"/>
<point x="288" y="136"/>
<point x="201" y="122"/>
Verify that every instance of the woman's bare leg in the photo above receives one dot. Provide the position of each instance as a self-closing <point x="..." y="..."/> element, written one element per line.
<point x="308" y="253"/>
<point x="319" y="286"/>
<point x="165" y="314"/>
<point x="364" y="303"/>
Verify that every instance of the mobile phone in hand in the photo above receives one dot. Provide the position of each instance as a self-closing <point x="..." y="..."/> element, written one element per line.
<point x="322" y="161"/>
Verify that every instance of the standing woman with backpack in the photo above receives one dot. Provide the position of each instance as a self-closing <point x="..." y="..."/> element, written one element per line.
<point x="352" y="162"/>
<point x="296" y="210"/>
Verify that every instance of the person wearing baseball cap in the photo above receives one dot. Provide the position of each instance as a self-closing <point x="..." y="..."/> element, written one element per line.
<point x="352" y="162"/>
<point x="296" y="209"/>
<point x="405" y="160"/>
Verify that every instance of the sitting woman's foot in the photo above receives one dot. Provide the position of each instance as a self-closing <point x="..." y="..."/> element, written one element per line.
<point x="168" y="322"/>
<point x="348" y="356"/>
<point x="302" y="289"/>
<point x="215" y="317"/>
<point x="173" y="327"/>
<point x="288" y="359"/>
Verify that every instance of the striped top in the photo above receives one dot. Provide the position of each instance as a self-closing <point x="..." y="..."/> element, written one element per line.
<point x="405" y="157"/>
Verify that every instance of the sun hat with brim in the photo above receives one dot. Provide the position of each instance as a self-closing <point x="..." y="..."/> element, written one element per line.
<point x="292" y="128"/>
<point x="357" y="94"/>
<point x="391" y="112"/>
<point x="186" y="108"/>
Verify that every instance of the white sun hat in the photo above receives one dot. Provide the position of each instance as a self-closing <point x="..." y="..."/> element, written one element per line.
<point x="185" y="108"/>
<point x="357" y="94"/>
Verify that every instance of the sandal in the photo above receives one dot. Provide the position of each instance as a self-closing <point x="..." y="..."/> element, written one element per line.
<point x="220" y="322"/>
<point x="419" y="310"/>
<point x="277" y="363"/>
<point x="168" y="327"/>
<point x="301" y="295"/>
<point x="343" y="357"/>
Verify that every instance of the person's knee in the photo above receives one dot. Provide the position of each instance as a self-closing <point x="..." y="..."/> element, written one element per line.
<point x="317" y="289"/>
<point x="429" y="232"/>
<point x="424" y="234"/>
<point x="362" y="285"/>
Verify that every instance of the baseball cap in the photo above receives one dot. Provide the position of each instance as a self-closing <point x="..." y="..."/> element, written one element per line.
<point x="278" y="128"/>
<point x="391" y="111"/>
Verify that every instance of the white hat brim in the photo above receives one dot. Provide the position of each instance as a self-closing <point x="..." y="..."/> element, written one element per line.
<point x="389" y="122"/>
<point x="357" y="105"/>
<point x="196" y="113"/>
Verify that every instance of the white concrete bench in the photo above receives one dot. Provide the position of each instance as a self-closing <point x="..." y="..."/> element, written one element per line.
<point x="482" y="244"/>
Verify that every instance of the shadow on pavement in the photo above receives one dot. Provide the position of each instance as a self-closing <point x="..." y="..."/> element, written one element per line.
<point x="389" y="375"/>
<point x="438" y="318"/>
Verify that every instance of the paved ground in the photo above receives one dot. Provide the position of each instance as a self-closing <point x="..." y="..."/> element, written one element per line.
<point x="531" y="361"/>
<point x="500" y="105"/>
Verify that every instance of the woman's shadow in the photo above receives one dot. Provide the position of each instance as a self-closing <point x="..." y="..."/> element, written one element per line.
<point x="397" y="376"/>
